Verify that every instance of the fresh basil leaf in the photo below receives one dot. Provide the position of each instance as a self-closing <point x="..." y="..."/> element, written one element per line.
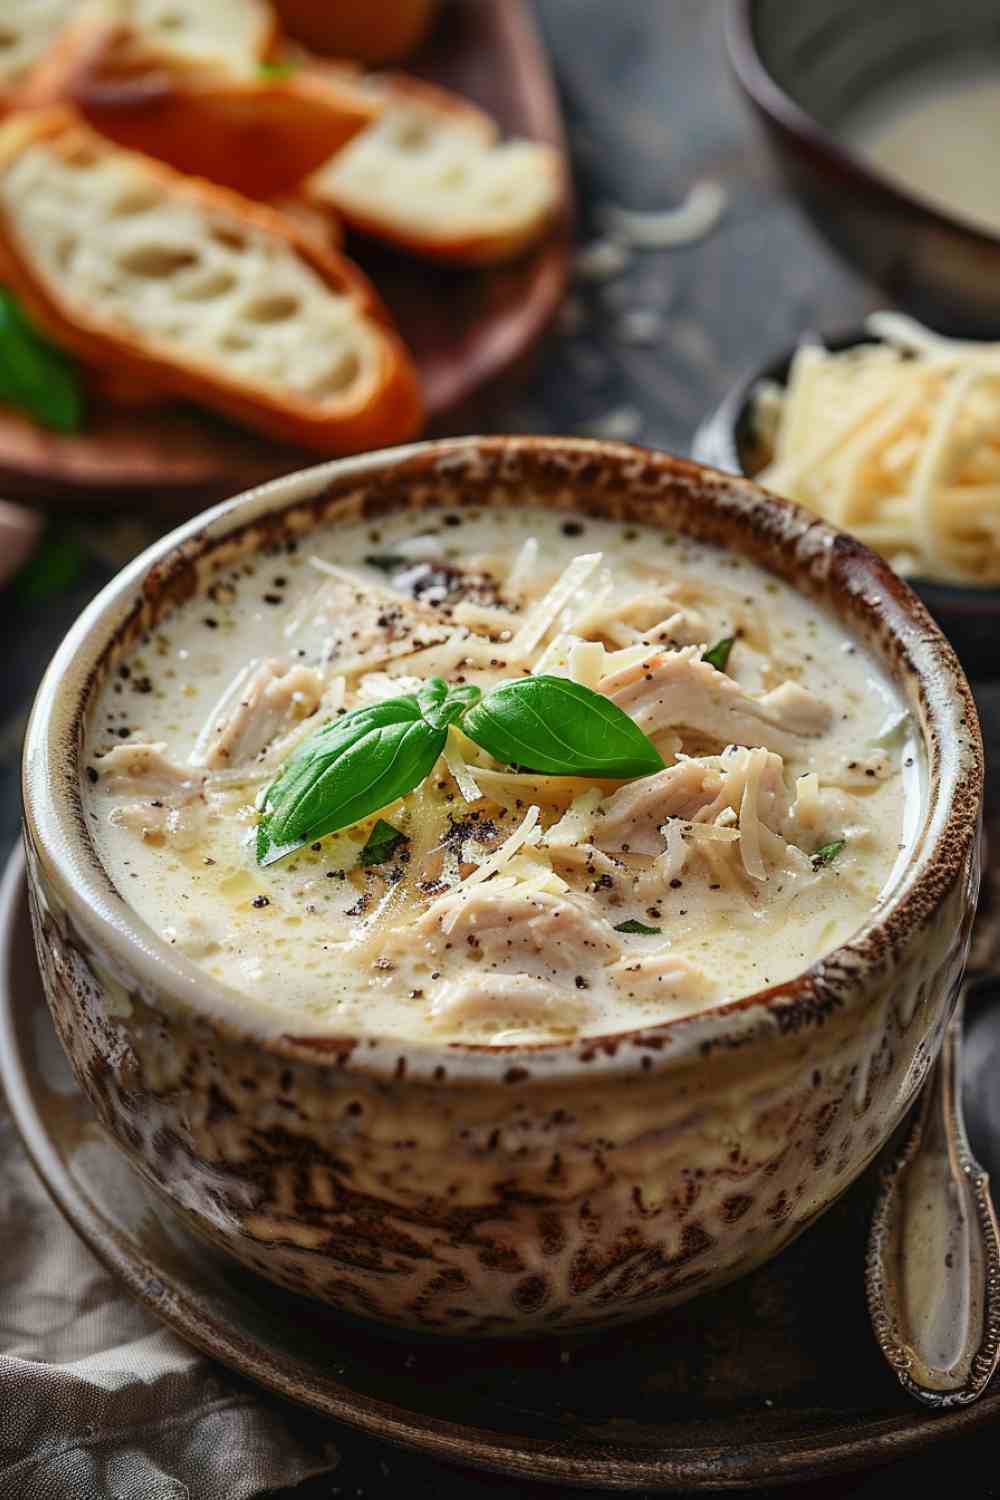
<point x="346" y="771"/>
<point x="558" y="727"/>
<point x="35" y="376"/>
<point x="281" y="68"/>
<point x="633" y="926"/>
<point x="828" y="853"/>
<point x="386" y="562"/>
<point x="718" y="655"/>
<point x="383" y="841"/>
<point x="58" y="564"/>
<point x="442" y="705"/>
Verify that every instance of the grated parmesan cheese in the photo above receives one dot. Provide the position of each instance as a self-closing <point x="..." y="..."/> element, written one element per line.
<point x="577" y="822"/>
<point x="528" y="832"/>
<point x="544" y="613"/>
<point x="463" y="777"/>
<point x="524" y="564"/>
<point x="692" y="220"/>
<point x="586" y="663"/>
<point x="553" y="657"/>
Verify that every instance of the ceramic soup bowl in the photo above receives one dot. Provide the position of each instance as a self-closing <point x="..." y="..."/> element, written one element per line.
<point x="508" y="1190"/>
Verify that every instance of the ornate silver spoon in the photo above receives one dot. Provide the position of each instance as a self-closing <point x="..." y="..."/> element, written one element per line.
<point x="932" y="1270"/>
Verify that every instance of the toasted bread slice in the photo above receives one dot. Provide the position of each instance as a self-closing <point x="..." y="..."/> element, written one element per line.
<point x="196" y="291"/>
<point x="26" y="30"/>
<point x="373" y="31"/>
<point x="431" y="176"/>
<point x="230" y="37"/>
<point x="260" y="135"/>
<point x="310" y="220"/>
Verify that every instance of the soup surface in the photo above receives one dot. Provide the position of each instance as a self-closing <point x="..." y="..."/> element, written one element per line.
<point x="936" y="136"/>
<point x="504" y="905"/>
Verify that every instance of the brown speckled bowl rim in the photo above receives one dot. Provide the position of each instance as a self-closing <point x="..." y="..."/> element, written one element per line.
<point x="719" y="507"/>
<point x="777" y="105"/>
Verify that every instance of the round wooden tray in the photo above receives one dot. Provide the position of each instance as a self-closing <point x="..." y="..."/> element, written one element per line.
<point x="469" y="331"/>
<point x="773" y="1379"/>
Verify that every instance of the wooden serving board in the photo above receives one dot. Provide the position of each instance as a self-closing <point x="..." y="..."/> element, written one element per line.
<point x="468" y="330"/>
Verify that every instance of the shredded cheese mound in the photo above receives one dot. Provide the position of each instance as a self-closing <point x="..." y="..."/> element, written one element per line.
<point x="898" y="442"/>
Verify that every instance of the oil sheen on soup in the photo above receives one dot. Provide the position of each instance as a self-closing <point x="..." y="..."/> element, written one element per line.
<point x="506" y="906"/>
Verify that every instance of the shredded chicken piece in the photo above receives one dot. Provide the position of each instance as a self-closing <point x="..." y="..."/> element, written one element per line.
<point x="509" y="1001"/>
<point x="735" y="765"/>
<point x="602" y="870"/>
<point x="737" y="797"/>
<point x="678" y="689"/>
<point x="662" y="975"/>
<point x="145" y="770"/>
<point x="262" y="702"/>
<point x="538" y="930"/>
<point x="158" y="822"/>
<point x="631" y="818"/>
<point x="653" y="615"/>
<point x="369" y="625"/>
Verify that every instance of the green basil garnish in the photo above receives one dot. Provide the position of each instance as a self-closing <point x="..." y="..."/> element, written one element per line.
<point x="442" y="705"/>
<point x="35" y="376"/>
<point x="633" y="926"/>
<point x="717" y="656"/>
<point x="351" y="768"/>
<point x="386" y="562"/>
<point x="383" y="841"/>
<point x="54" y="569"/>
<point x="361" y="762"/>
<point x="282" y="68"/>
<point x="828" y="853"/>
<point x="558" y="727"/>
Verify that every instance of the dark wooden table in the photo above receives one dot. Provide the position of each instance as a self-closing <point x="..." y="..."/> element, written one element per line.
<point x="651" y="109"/>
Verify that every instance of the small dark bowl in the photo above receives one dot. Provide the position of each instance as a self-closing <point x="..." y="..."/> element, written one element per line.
<point x="969" y="616"/>
<point x="806" y="69"/>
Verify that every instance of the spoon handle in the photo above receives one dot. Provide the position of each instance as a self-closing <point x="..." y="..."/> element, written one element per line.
<point x="932" y="1271"/>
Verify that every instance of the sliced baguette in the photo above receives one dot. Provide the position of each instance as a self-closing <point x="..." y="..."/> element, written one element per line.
<point x="431" y="176"/>
<point x="199" y="293"/>
<point x="26" y="31"/>
<point x="259" y="135"/>
<point x="231" y="37"/>
<point x="373" y="31"/>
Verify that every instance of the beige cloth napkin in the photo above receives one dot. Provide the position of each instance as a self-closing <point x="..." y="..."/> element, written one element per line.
<point x="98" y="1401"/>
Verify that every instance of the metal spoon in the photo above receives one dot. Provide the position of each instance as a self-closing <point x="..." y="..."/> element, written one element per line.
<point x="932" y="1270"/>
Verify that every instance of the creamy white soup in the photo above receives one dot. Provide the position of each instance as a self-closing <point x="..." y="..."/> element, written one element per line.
<point x="936" y="135"/>
<point x="493" y="903"/>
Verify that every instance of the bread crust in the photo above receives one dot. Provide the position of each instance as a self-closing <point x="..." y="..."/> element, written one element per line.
<point x="481" y="245"/>
<point x="383" y="409"/>
<point x="374" y="31"/>
<point x="259" y="136"/>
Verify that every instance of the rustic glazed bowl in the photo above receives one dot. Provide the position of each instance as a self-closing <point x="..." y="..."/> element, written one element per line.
<point x="507" y="1190"/>
<point x="806" y="69"/>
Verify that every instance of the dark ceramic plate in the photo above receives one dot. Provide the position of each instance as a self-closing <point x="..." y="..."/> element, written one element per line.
<point x="806" y="68"/>
<point x="470" y="332"/>
<point x="773" y="1379"/>
<point x="969" y="617"/>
